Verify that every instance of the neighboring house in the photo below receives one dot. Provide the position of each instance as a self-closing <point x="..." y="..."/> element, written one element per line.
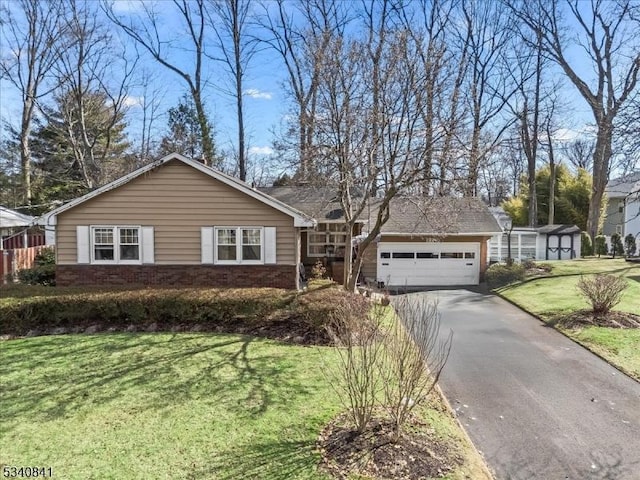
<point x="622" y="215"/>
<point x="178" y="222"/>
<point x="551" y="242"/>
<point x="18" y="230"/>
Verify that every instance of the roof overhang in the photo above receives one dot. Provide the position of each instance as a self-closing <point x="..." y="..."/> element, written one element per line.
<point x="444" y="234"/>
<point x="299" y="218"/>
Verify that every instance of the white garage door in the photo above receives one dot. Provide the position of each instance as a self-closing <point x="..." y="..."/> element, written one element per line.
<point x="428" y="264"/>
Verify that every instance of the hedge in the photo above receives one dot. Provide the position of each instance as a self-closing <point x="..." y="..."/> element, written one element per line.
<point x="48" y="309"/>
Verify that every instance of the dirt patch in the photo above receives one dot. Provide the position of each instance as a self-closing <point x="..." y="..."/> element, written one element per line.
<point x="585" y="318"/>
<point x="418" y="454"/>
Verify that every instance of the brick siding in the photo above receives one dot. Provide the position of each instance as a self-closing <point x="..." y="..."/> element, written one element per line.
<point x="278" y="276"/>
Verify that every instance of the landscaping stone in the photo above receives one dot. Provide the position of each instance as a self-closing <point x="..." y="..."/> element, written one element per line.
<point x="92" y="329"/>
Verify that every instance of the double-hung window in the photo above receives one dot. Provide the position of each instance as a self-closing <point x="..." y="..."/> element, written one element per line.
<point x="115" y="244"/>
<point x="242" y="245"/>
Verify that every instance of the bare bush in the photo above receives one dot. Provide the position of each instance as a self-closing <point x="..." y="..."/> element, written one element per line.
<point x="604" y="291"/>
<point x="356" y="378"/>
<point x="413" y="357"/>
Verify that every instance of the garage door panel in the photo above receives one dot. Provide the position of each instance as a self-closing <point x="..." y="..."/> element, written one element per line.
<point x="435" y="264"/>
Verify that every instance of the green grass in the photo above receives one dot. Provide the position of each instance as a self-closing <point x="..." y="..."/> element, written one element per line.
<point x="619" y="346"/>
<point x="162" y="406"/>
<point x="165" y="406"/>
<point x="557" y="294"/>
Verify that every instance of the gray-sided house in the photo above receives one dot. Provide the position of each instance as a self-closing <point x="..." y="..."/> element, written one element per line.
<point x="178" y="222"/>
<point x="622" y="215"/>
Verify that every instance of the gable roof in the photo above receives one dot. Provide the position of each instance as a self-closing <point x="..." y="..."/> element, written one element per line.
<point x="438" y="216"/>
<point x="321" y="203"/>
<point x="300" y="219"/>
<point x="623" y="186"/>
<point x="559" y="229"/>
<point x="10" y="218"/>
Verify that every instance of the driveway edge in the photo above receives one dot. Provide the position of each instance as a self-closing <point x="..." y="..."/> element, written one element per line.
<point x="484" y="465"/>
<point x="548" y="325"/>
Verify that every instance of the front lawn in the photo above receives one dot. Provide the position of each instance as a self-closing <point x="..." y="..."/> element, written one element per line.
<point x="186" y="405"/>
<point x="555" y="295"/>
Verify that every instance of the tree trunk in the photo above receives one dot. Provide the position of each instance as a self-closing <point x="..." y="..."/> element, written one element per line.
<point x="207" y="145"/>
<point x="552" y="184"/>
<point x="25" y="150"/>
<point x="601" y="159"/>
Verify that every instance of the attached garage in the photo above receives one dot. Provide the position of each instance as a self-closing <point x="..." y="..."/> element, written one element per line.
<point x="428" y="263"/>
<point x="431" y="242"/>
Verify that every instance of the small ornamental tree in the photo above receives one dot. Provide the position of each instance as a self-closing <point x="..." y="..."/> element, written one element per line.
<point x="586" y="247"/>
<point x="630" y="245"/>
<point x="616" y="245"/>
<point x="603" y="291"/>
<point x="601" y="246"/>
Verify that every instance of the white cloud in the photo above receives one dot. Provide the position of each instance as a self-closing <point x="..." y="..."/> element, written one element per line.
<point x="130" y="101"/>
<point x="255" y="93"/>
<point x="261" y="150"/>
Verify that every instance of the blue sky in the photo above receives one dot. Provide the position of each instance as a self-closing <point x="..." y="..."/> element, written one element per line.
<point x="265" y="101"/>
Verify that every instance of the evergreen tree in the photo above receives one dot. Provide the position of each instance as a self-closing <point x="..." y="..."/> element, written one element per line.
<point x="571" y="198"/>
<point x="185" y="134"/>
<point x="76" y="149"/>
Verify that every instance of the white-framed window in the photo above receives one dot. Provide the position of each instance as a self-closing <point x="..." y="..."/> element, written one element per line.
<point x="239" y="245"/>
<point x="115" y="244"/>
<point x="327" y="240"/>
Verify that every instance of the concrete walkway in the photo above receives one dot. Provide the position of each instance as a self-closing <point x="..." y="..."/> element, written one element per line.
<point x="536" y="404"/>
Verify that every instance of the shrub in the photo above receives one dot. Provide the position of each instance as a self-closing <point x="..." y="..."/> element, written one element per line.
<point x="630" y="245"/>
<point x="600" y="247"/>
<point x="413" y="358"/>
<point x="500" y="274"/>
<point x="167" y="308"/>
<point x="355" y="377"/>
<point x="43" y="271"/>
<point x="616" y="245"/>
<point x="317" y="308"/>
<point x="586" y="247"/>
<point x="318" y="271"/>
<point x="603" y="291"/>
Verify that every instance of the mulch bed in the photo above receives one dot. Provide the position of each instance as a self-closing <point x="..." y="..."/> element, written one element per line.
<point x="417" y="455"/>
<point x="586" y="318"/>
<point x="283" y="330"/>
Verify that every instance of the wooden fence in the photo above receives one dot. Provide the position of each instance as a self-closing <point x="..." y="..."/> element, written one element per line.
<point x="17" y="259"/>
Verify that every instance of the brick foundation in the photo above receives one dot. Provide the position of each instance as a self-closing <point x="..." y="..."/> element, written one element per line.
<point x="277" y="276"/>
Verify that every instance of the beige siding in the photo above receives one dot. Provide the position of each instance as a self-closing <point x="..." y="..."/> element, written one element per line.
<point x="370" y="262"/>
<point x="177" y="201"/>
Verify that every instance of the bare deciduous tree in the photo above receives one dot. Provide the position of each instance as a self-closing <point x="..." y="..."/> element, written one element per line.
<point x="299" y="31"/>
<point x="606" y="32"/>
<point x="95" y="79"/>
<point x="579" y="152"/>
<point x="151" y="36"/>
<point x="230" y="20"/>
<point x="488" y="28"/>
<point x="33" y="34"/>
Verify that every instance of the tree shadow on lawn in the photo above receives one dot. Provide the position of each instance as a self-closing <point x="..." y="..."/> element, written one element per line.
<point x="265" y="461"/>
<point x="55" y="377"/>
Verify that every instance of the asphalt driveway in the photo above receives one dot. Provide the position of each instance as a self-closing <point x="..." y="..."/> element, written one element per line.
<point x="537" y="405"/>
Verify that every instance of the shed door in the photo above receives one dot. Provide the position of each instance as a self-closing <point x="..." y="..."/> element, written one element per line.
<point x="428" y="264"/>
